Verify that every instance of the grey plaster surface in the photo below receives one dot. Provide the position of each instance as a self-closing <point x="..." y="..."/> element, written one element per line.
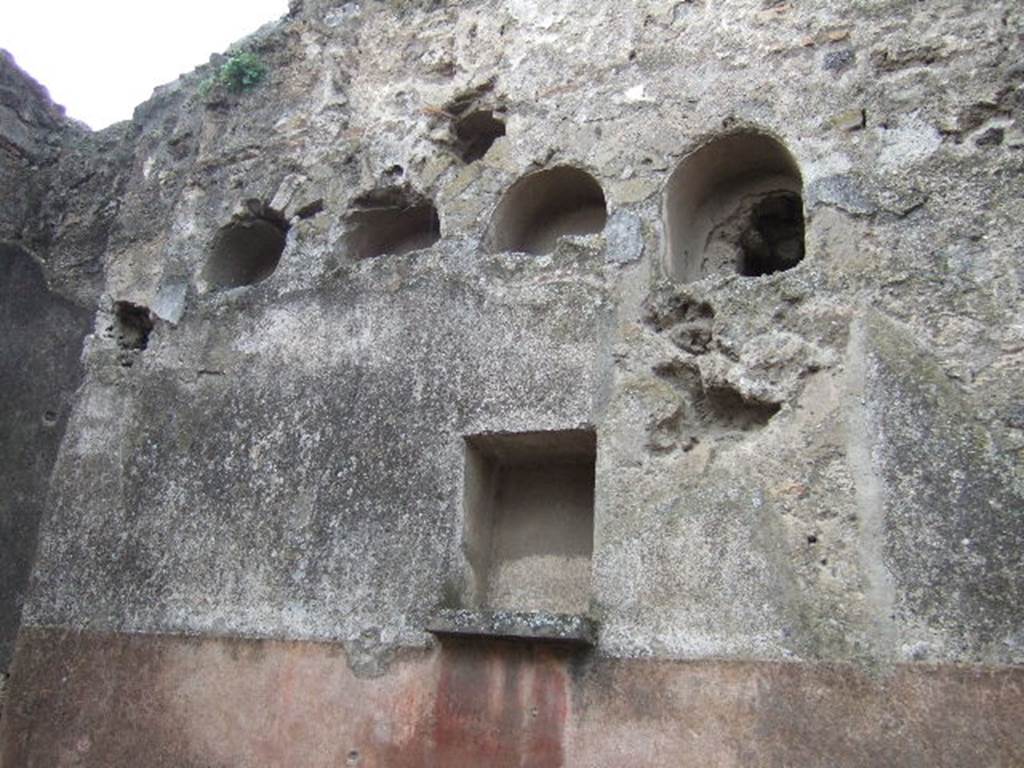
<point x="821" y="463"/>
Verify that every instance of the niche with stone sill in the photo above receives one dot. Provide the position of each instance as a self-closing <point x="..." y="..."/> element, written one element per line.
<point x="393" y="221"/>
<point x="542" y="207"/>
<point x="528" y="505"/>
<point x="248" y="249"/>
<point x="734" y="205"/>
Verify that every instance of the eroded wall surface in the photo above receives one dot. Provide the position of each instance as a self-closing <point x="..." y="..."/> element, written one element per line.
<point x="808" y="531"/>
<point x="41" y="333"/>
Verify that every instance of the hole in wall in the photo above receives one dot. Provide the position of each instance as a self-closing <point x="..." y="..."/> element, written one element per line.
<point x="727" y="409"/>
<point x="475" y="120"/>
<point x="476" y="132"/>
<point x="773" y="240"/>
<point x="132" y="325"/>
<point x="464" y="100"/>
<point x="734" y="205"/>
<point x="689" y="322"/>
<point x="248" y="249"/>
<point x="720" y="411"/>
<point x="393" y="221"/>
<point x="529" y="519"/>
<point x="310" y="210"/>
<point x="542" y="207"/>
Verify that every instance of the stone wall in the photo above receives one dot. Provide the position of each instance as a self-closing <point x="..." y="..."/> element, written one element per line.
<point x="41" y="332"/>
<point x="767" y="252"/>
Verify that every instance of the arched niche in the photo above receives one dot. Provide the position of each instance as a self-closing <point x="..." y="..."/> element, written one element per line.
<point x="544" y="206"/>
<point x="734" y="205"/>
<point x="393" y="221"/>
<point x="247" y="249"/>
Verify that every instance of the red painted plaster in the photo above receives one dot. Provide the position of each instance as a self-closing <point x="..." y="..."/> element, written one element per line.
<point x="114" y="701"/>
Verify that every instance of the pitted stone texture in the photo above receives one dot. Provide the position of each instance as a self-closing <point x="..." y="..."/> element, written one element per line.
<point x="951" y="501"/>
<point x="279" y="460"/>
<point x="285" y="460"/>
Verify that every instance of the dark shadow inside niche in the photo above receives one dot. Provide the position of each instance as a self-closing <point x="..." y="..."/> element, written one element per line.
<point x="542" y="207"/>
<point x="393" y="221"/>
<point x="734" y="205"/>
<point x="132" y="325"/>
<point x="773" y="240"/>
<point x="248" y="249"/>
<point x="476" y="132"/>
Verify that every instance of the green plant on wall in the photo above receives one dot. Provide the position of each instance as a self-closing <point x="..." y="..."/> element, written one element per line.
<point x="242" y="71"/>
<point x="239" y="73"/>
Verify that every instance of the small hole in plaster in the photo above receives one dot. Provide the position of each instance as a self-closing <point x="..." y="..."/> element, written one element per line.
<point x="310" y="210"/>
<point x="476" y="132"/>
<point x="133" y="323"/>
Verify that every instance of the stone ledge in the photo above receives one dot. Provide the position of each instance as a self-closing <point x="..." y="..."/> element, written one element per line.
<point x="570" y="629"/>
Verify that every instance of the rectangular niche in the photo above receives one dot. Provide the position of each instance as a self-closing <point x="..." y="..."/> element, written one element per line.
<point x="529" y="520"/>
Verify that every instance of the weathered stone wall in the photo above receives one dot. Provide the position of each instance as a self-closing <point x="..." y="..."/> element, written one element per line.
<point x="41" y="332"/>
<point x="811" y="477"/>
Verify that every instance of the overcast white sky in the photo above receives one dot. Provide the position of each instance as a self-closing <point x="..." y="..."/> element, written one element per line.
<point x="100" y="58"/>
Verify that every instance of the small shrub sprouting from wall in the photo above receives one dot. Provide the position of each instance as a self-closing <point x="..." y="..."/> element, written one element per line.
<point x="734" y="205"/>
<point x="393" y="221"/>
<point x="239" y="73"/>
<point x="542" y="207"/>
<point x="247" y="249"/>
<point x="244" y="70"/>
